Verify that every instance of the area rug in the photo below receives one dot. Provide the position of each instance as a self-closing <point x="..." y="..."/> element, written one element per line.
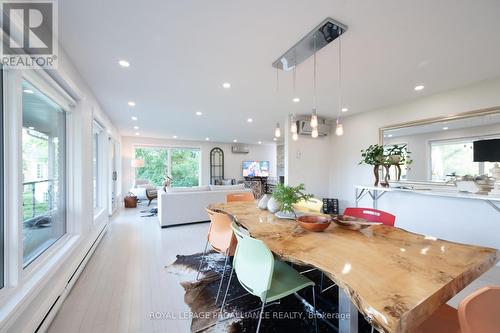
<point x="292" y="314"/>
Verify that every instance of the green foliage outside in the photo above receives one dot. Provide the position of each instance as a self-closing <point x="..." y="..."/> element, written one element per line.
<point x="185" y="166"/>
<point x="155" y="165"/>
<point x="40" y="207"/>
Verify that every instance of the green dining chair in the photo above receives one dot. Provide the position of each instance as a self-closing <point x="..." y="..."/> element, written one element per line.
<point x="262" y="275"/>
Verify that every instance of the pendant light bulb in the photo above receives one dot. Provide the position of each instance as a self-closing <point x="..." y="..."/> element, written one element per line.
<point x="339" y="129"/>
<point x="314" y="133"/>
<point x="295" y="136"/>
<point x="277" y="131"/>
<point x="314" y="119"/>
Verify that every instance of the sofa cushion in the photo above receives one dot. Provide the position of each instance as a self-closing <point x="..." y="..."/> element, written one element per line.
<point x="187" y="189"/>
<point x="226" y="187"/>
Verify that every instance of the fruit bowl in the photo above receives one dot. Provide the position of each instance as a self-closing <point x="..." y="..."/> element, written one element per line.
<point x="353" y="223"/>
<point x="314" y="223"/>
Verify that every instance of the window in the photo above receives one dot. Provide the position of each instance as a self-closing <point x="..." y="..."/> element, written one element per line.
<point x="455" y="158"/>
<point x="44" y="172"/>
<point x="96" y="161"/>
<point x="181" y="164"/>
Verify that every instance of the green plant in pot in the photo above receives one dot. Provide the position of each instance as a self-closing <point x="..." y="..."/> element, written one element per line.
<point x="374" y="155"/>
<point x="287" y="196"/>
<point x="398" y="155"/>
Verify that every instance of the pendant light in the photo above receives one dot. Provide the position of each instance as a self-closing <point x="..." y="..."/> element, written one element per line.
<point x="314" y="132"/>
<point x="314" y="116"/>
<point x="277" y="130"/>
<point x="339" y="129"/>
<point x="295" y="136"/>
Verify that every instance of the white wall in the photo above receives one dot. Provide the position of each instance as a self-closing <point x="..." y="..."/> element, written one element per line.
<point x="452" y="219"/>
<point x="232" y="162"/>
<point x="31" y="296"/>
<point x="361" y="130"/>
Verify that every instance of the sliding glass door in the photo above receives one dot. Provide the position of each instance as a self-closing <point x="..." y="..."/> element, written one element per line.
<point x="44" y="172"/>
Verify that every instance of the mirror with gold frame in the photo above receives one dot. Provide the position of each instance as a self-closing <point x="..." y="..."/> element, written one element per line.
<point x="442" y="149"/>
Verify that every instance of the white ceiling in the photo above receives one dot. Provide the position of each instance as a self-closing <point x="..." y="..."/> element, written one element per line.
<point x="182" y="51"/>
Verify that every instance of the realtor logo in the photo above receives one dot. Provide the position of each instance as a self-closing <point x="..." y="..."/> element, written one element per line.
<point x="29" y="36"/>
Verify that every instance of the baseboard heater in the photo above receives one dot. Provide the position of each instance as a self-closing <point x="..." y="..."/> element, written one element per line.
<point x="47" y="319"/>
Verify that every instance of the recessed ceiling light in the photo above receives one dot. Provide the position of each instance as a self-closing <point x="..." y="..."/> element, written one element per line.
<point x="226" y="85"/>
<point x="137" y="133"/>
<point x="250" y="120"/>
<point x="28" y="91"/>
<point x="199" y="113"/>
<point x="345" y="109"/>
<point x="124" y="63"/>
<point x="296" y="99"/>
<point x="133" y="118"/>
<point x="445" y="128"/>
<point x="175" y="137"/>
<point x="235" y="140"/>
<point x="206" y="139"/>
<point x="274" y="139"/>
<point x="419" y="87"/>
<point x="260" y="142"/>
<point x="136" y="127"/>
<point x="131" y="103"/>
<point x="390" y="135"/>
<point x="31" y="128"/>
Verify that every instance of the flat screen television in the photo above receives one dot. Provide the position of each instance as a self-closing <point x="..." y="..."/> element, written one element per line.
<point x="487" y="150"/>
<point x="256" y="169"/>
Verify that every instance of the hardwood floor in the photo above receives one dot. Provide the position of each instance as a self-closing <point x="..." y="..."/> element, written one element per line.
<point x="126" y="280"/>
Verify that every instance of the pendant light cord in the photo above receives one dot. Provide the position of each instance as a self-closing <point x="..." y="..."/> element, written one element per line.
<point x="314" y="75"/>
<point x="340" y="79"/>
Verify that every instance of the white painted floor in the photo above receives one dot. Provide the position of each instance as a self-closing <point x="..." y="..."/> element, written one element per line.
<point x="125" y="280"/>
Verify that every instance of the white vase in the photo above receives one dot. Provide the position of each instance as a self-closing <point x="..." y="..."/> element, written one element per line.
<point x="263" y="201"/>
<point x="273" y="206"/>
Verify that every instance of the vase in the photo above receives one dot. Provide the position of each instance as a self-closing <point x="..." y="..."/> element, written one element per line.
<point x="273" y="205"/>
<point x="376" y="169"/>
<point x="263" y="201"/>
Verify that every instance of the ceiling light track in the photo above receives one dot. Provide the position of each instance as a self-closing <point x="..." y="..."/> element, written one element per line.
<point x="325" y="33"/>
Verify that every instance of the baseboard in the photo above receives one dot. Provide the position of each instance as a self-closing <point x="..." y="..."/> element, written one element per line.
<point x="183" y="224"/>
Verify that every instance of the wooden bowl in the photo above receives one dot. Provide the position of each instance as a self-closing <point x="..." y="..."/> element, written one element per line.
<point x="353" y="223"/>
<point x="314" y="222"/>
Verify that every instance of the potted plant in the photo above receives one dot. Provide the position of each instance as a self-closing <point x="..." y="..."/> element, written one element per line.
<point x="287" y="196"/>
<point x="398" y="155"/>
<point x="374" y="155"/>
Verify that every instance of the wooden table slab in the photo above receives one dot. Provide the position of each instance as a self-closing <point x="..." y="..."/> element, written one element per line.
<point x="395" y="277"/>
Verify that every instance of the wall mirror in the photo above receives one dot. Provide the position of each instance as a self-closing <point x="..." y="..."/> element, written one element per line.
<point x="442" y="148"/>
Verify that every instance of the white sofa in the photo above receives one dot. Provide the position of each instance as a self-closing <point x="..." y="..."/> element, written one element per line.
<point x="183" y="205"/>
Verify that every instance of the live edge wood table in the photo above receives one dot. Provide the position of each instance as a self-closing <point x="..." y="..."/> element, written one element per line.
<point x="395" y="278"/>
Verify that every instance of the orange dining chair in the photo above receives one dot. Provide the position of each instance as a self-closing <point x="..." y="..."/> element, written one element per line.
<point x="480" y="311"/>
<point x="477" y="313"/>
<point x="240" y="197"/>
<point x="221" y="239"/>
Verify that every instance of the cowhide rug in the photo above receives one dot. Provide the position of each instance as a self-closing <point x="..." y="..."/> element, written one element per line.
<point x="241" y="313"/>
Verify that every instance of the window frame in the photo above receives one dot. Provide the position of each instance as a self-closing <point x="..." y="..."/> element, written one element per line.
<point x="461" y="140"/>
<point x="169" y="148"/>
<point x="15" y="274"/>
